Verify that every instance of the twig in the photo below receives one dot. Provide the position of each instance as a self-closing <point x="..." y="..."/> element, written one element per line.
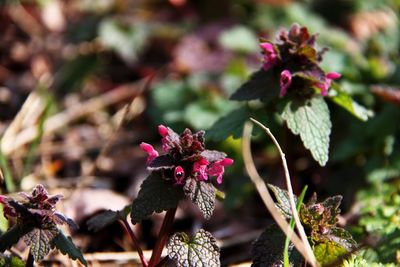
<point x="299" y="226"/>
<point x="267" y="199"/>
<point x="135" y="242"/>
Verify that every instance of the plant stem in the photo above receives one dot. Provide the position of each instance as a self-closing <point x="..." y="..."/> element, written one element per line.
<point x="162" y="237"/>
<point x="29" y="260"/>
<point x="135" y="241"/>
<point x="299" y="226"/>
<point x="287" y="241"/>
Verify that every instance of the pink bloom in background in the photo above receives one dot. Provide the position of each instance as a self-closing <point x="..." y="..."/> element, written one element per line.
<point x="151" y="152"/>
<point x="200" y="167"/>
<point x="218" y="168"/>
<point x="328" y="80"/>
<point x="163" y="130"/>
<point x="285" y="82"/>
<point x="270" y="56"/>
<point x="179" y="175"/>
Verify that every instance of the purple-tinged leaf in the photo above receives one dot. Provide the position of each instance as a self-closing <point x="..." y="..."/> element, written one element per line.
<point x="202" y="194"/>
<point x="161" y="163"/>
<point x="201" y="251"/>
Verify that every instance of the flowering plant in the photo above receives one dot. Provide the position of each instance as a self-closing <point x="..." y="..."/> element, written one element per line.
<point x="37" y="224"/>
<point x="292" y="83"/>
<point x="185" y="169"/>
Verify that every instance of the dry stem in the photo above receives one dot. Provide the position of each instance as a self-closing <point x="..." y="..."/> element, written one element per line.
<point x="301" y="245"/>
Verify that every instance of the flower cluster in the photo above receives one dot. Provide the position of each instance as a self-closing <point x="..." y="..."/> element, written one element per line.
<point x="37" y="208"/>
<point x="296" y="60"/>
<point x="185" y="157"/>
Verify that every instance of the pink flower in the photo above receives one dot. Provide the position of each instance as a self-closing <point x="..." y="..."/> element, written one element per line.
<point x="200" y="167"/>
<point x="270" y="56"/>
<point x="285" y="82"/>
<point x="218" y="168"/>
<point x="2" y="198"/>
<point x="162" y="130"/>
<point x="151" y="152"/>
<point x="328" y="80"/>
<point x="179" y="174"/>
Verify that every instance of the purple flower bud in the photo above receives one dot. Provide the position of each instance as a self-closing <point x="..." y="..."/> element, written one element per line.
<point x="333" y="75"/>
<point x="151" y="152"/>
<point x="163" y="130"/>
<point x="285" y="82"/>
<point x="179" y="175"/>
<point x="324" y="87"/>
<point x="270" y="55"/>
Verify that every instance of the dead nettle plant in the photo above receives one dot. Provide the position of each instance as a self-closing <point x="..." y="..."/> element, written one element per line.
<point x="36" y="221"/>
<point x="185" y="169"/>
<point x="319" y="239"/>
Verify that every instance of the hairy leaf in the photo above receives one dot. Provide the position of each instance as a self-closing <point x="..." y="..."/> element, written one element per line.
<point x="344" y="100"/>
<point x="65" y="245"/>
<point x="202" y="194"/>
<point x="328" y="252"/>
<point x="261" y="85"/>
<point x="161" y="162"/>
<point x="212" y="155"/>
<point x="156" y="195"/>
<point x="200" y="252"/>
<point x="268" y="249"/>
<point x="39" y="241"/>
<point x="343" y="238"/>
<point x="311" y="120"/>
<point x="282" y="198"/>
<point x="106" y="218"/>
<point x="12" y="235"/>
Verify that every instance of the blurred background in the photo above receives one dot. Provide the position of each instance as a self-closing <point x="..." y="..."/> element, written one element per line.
<point x="82" y="83"/>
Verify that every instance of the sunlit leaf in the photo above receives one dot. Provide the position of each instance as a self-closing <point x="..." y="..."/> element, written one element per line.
<point x="40" y="241"/>
<point x="202" y="194"/>
<point x="201" y="251"/>
<point x="311" y="120"/>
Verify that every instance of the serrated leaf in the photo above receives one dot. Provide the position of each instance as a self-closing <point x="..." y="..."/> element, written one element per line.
<point x="106" y="218"/>
<point x="344" y="100"/>
<point x="282" y="198"/>
<point x="310" y="120"/>
<point x="343" y="238"/>
<point x="200" y="252"/>
<point x="202" y="194"/>
<point x="12" y="236"/>
<point x="65" y="245"/>
<point x="268" y="249"/>
<point x="261" y="85"/>
<point x="40" y="241"/>
<point x="156" y="195"/>
<point x="328" y="252"/>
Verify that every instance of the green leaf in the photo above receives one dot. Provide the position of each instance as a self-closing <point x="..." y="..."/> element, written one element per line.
<point x="343" y="238"/>
<point x="230" y="124"/>
<point x="65" y="245"/>
<point x="40" y="241"/>
<point x="156" y="195"/>
<point x="310" y="120"/>
<point x="10" y="261"/>
<point x="261" y="85"/>
<point x="199" y="252"/>
<point x="341" y="98"/>
<point x="328" y="252"/>
<point x="12" y="236"/>
<point x="3" y="221"/>
<point x="268" y="249"/>
<point x="282" y="198"/>
<point x="106" y="218"/>
<point x="202" y="194"/>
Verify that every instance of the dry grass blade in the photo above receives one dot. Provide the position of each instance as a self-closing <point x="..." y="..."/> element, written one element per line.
<point x="302" y="246"/>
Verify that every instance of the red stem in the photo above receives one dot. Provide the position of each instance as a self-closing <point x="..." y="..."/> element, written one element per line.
<point x="135" y="242"/>
<point x="162" y="237"/>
